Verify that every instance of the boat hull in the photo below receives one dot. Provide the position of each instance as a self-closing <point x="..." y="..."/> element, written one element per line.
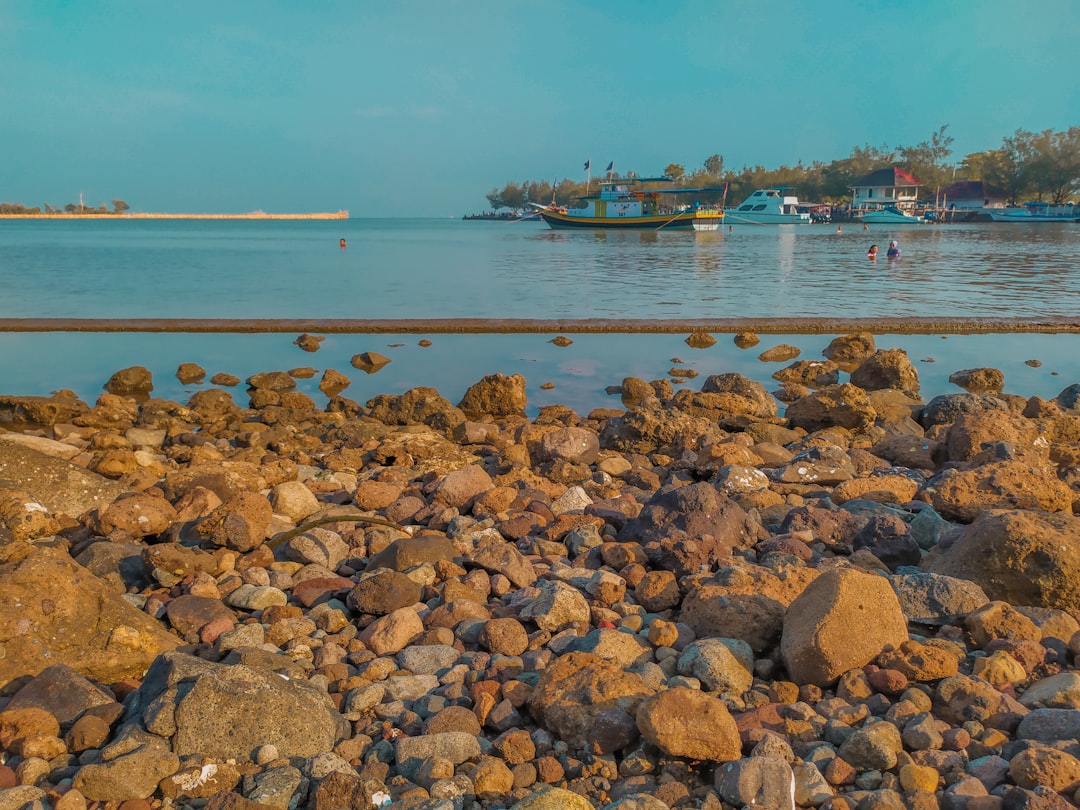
<point x="767" y="219"/>
<point x="888" y="218"/>
<point x="1025" y="217"/>
<point x="700" y="220"/>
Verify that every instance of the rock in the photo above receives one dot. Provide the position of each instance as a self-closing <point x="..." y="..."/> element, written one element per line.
<point x="966" y="436"/>
<point x="947" y="408"/>
<point x="979" y="380"/>
<point x="495" y="395"/>
<point x="1061" y="691"/>
<point x="874" y="746"/>
<point x="999" y="620"/>
<point x="762" y="404"/>
<point x="936" y="599"/>
<point x="887" y="368"/>
<point x="685" y="528"/>
<point x="504" y="636"/>
<point x="843" y="620"/>
<point x="62" y="487"/>
<point x="190" y="373"/>
<point x="459" y="488"/>
<point x="408" y="552"/>
<point x="318" y="546"/>
<point x="134" y="381"/>
<point x="309" y="343"/>
<point x="417" y="406"/>
<point x="49" y="447"/>
<point x="554" y="606"/>
<point x="61" y="407"/>
<point x="746" y="340"/>
<point x="333" y="382"/>
<point x="1043" y="766"/>
<point x="780" y="353"/>
<point x="963" y="494"/>
<point x="961" y="698"/>
<point x="1020" y="557"/>
<point x="61" y="691"/>
<point x="700" y="340"/>
<point x="578" y="688"/>
<point x="383" y="592"/>
<point x="140" y="514"/>
<point x="684" y="722"/>
<point x="393" y="632"/>
<point x="189" y="613"/>
<point x="55" y="612"/>
<point x="294" y="500"/>
<point x="850" y="348"/>
<point x="240" y="523"/>
<point x="369" y="362"/>
<point x="879" y="488"/>
<point x="712" y="662"/>
<point x="757" y="782"/>
<point x="131" y="768"/>
<point x="455" y="746"/>
<point x="811" y="373"/>
<point x="227" y="712"/>
<point x="1049" y="725"/>
<point x="577" y="445"/>
<point x="843" y="405"/>
<point x="886" y="537"/>
<point x="553" y="799"/>
<point x="505" y="559"/>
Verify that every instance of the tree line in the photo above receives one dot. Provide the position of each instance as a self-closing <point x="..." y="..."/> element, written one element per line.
<point x="1028" y="165"/>
<point x="9" y="209"/>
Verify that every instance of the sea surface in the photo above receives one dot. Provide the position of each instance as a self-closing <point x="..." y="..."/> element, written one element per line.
<point x="426" y="268"/>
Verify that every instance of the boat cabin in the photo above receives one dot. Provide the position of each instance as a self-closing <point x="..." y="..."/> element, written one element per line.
<point x="891" y="186"/>
<point x="625" y="197"/>
<point x="771" y="199"/>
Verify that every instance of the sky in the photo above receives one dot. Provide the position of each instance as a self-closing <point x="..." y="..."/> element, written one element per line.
<point x="421" y="107"/>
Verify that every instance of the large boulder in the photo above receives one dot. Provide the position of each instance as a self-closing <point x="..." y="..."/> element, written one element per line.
<point x="580" y="691"/>
<point x="684" y="722"/>
<point x="227" y="712"/>
<point x="853" y="348"/>
<point x="495" y="395"/>
<point x="62" y="487"/>
<point x="967" y="434"/>
<point x="844" y="405"/>
<point x="887" y="368"/>
<point x="416" y="406"/>
<point x="962" y="495"/>
<point x="843" y="620"/>
<point x="1020" y="557"/>
<point x="685" y="528"/>
<point x="54" y="611"/>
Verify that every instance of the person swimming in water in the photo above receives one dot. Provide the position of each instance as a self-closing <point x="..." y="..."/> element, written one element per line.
<point x="893" y="252"/>
<point x="872" y="252"/>
<point x="343" y="244"/>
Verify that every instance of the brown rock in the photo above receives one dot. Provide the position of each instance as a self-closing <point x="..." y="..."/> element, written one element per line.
<point x="920" y="662"/>
<point x="240" y="523"/>
<point x="887" y="368"/>
<point x="810" y="373"/>
<point x="979" y="380"/>
<point x="1020" y="557"/>
<point x="383" y="592"/>
<point x="843" y="405"/>
<point x="393" y="632"/>
<point x="495" y="395"/>
<point x="504" y="636"/>
<point x="700" y="340"/>
<point x="880" y="488"/>
<point x="309" y="343"/>
<point x="843" y="620"/>
<point x="684" y="722"/>
<point x="746" y="340"/>
<point x="333" y="382"/>
<point x="55" y="612"/>
<point x="963" y="494"/>
<point x="190" y="373"/>
<point x="224" y="378"/>
<point x="133" y="381"/>
<point x="780" y="353"/>
<point x="849" y="348"/>
<point x="140" y="514"/>
<point x="967" y="434"/>
<point x="999" y="620"/>
<point x="577" y="688"/>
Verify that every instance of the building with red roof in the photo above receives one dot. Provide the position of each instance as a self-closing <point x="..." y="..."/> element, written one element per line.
<point x="889" y="186"/>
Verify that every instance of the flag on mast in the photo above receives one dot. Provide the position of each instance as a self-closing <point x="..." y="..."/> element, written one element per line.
<point x="588" y="164"/>
<point x="610" y="166"/>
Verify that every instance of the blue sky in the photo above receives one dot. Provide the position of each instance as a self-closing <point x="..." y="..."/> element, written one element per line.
<point x="421" y="108"/>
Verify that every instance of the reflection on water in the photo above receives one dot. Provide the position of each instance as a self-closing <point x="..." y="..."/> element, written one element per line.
<point x="449" y="268"/>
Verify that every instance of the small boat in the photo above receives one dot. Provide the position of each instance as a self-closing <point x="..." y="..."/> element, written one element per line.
<point x="769" y="206"/>
<point x="625" y="203"/>
<point x="1035" y="212"/>
<point x="885" y="215"/>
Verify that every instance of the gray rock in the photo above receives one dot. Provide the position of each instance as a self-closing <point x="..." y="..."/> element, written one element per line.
<point x="456" y="746"/>
<point x="131" y="768"/>
<point x="757" y="782"/>
<point x="936" y="599"/>
<point x="712" y="661"/>
<point x="319" y="547"/>
<point x="1050" y="725"/>
<point x="62" y="692"/>
<point x="284" y="788"/>
<point x="874" y="746"/>
<point x="503" y="558"/>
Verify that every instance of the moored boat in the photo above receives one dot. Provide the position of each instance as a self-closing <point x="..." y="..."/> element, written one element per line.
<point x="1035" y="212"/>
<point x="769" y="206"/>
<point x="628" y="203"/>
<point x="885" y="215"/>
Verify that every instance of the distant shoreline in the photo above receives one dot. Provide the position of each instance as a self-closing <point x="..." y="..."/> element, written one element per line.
<point x="252" y="215"/>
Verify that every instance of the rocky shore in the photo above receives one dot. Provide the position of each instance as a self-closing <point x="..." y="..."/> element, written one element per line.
<point x="692" y="601"/>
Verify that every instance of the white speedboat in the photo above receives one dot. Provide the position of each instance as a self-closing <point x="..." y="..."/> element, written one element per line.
<point x="886" y="215"/>
<point x="769" y="206"/>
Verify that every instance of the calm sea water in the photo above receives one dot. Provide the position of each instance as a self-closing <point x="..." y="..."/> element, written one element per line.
<point x="449" y="268"/>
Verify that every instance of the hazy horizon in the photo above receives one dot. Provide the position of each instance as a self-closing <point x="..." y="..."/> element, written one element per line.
<point x="421" y="108"/>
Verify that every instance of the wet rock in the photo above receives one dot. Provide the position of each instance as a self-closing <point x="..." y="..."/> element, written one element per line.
<point x="700" y="340"/>
<point x="576" y="445"/>
<point x="843" y="405"/>
<point x="134" y="381"/>
<point x="811" y="373"/>
<point x="190" y="373"/>
<point x="746" y="340"/>
<point x="887" y="368"/>
<point x="780" y="353"/>
<point x="333" y="382"/>
<point x="850" y="348"/>
<point x="309" y="343"/>
<point x="61" y="407"/>
<point x="495" y="395"/>
<point x="843" y="620"/>
<point x="979" y="380"/>
<point x="947" y="408"/>
<point x="224" y="378"/>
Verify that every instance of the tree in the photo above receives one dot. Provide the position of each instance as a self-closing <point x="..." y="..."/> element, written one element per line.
<point x="928" y="161"/>
<point x="119" y="206"/>
<point x="714" y="165"/>
<point x="71" y="208"/>
<point x="675" y="172"/>
<point x="494" y="199"/>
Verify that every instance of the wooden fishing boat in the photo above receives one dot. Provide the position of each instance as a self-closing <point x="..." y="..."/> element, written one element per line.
<point x="636" y="203"/>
